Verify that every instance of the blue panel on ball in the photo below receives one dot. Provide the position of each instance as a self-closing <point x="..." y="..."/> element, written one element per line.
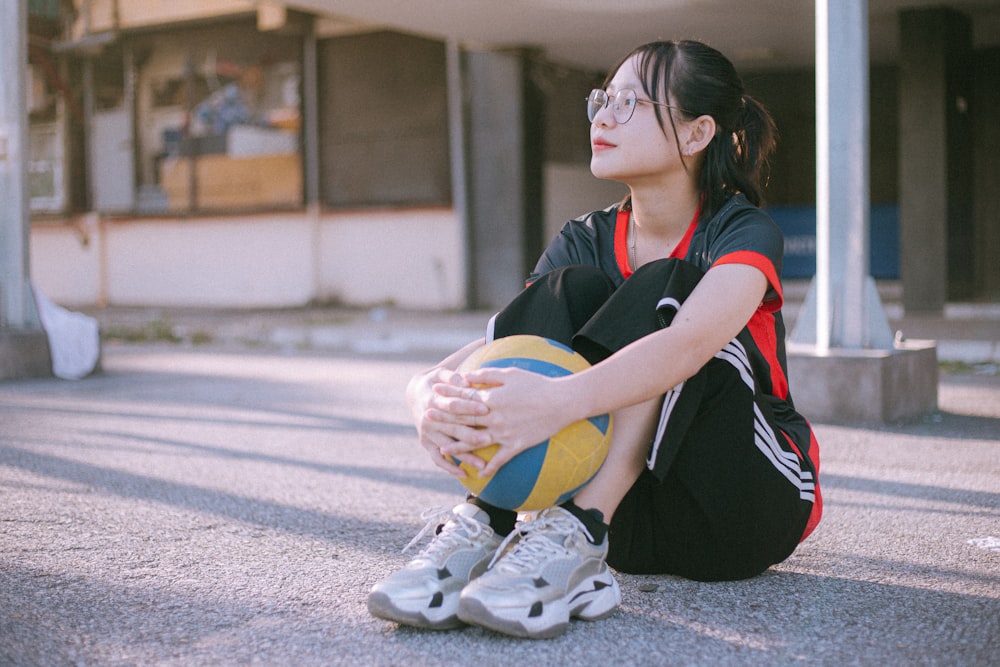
<point x="539" y="366"/>
<point x="557" y="344"/>
<point x="601" y="423"/>
<point x="569" y="494"/>
<point x="513" y="483"/>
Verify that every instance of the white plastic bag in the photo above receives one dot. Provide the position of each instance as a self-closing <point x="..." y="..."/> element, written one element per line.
<point x="74" y="339"/>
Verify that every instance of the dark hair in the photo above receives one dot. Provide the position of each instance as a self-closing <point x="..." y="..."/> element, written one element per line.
<point x="701" y="81"/>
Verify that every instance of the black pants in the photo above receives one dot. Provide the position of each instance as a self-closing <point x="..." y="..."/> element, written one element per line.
<point x="713" y="504"/>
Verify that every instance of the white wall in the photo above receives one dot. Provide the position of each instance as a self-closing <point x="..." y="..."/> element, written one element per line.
<point x="408" y="258"/>
<point x="236" y="262"/>
<point x="66" y="261"/>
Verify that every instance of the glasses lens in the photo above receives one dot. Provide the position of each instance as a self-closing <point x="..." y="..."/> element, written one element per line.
<point x="623" y="105"/>
<point x="597" y="100"/>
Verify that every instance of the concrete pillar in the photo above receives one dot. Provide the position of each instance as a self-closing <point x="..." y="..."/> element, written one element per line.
<point x="458" y="140"/>
<point x="986" y="112"/>
<point x="935" y="158"/>
<point x="13" y="160"/>
<point x="23" y="346"/>
<point x="310" y="104"/>
<point x="504" y="201"/>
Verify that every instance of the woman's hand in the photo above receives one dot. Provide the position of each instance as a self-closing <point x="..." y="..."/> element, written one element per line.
<point x="444" y="392"/>
<point x="522" y="409"/>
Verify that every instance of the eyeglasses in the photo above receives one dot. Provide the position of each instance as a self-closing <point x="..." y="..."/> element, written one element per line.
<point x="622" y="104"/>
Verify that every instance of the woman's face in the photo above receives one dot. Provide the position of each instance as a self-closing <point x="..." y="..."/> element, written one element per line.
<point x="639" y="149"/>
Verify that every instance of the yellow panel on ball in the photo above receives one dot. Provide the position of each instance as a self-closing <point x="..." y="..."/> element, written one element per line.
<point x="552" y="471"/>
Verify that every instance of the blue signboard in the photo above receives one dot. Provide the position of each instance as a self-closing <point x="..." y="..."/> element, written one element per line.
<point x="798" y="224"/>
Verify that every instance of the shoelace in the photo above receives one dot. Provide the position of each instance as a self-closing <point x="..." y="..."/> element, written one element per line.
<point x="462" y="532"/>
<point x="535" y="543"/>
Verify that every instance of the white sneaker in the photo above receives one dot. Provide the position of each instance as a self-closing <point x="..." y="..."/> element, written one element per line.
<point x="425" y="592"/>
<point x="550" y="574"/>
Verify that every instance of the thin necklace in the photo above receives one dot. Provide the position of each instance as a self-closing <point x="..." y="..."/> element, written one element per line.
<point x="631" y="236"/>
<point x="631" y="241"/>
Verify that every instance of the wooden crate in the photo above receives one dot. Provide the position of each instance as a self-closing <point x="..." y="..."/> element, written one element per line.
<point x="227" y="182"/>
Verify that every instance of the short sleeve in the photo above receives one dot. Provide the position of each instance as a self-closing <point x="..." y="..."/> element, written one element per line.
<point x="754" y="239"/>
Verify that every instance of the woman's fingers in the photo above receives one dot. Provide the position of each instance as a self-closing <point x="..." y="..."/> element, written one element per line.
<point x="461" y="437"/>
<point x="449" y="460"/>
<point x="502" y="456"/>
<point x="458" y="405"/>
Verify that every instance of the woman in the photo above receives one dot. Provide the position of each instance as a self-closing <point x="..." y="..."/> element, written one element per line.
<point x="674" y="296"/>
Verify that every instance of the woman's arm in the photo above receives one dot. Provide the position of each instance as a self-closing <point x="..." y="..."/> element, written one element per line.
<point x="525" y="408"/>
<point x="714" y="314"/>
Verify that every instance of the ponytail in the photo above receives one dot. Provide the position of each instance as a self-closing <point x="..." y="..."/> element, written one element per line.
<point x="736" y="160"/>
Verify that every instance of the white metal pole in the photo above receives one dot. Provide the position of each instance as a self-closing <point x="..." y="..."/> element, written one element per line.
<point x="849" y="165"/>
<point x="822" y="281"/>
<point x="849" y="314"/>
<point x="14" y="220"/>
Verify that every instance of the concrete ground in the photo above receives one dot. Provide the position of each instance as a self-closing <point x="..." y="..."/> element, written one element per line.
<point x="228" y="499"/>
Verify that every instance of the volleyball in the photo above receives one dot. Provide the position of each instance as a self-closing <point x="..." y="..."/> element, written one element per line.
<point x="552" y="471"/>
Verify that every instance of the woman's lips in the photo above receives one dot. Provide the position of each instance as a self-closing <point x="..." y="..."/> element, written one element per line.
<point x="599" y="144"/>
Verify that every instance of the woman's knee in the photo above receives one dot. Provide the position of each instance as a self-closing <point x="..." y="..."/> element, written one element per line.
<point x="579" y="282"/>
<point x="556" y="305"/>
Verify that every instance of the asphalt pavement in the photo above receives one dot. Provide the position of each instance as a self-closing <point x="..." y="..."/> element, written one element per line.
<point x="229" y="486"/>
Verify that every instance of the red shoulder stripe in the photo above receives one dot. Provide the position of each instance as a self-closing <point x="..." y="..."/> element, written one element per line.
<point x="621" y="241"/>
<point x="761" y="262"/>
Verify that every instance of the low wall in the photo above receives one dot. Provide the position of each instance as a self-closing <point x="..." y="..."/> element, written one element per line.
<point x="410" y="258"/>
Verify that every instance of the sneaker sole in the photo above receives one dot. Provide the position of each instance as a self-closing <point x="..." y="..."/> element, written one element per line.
<point x="381" y="605"/>
<point x="594" y="599"/>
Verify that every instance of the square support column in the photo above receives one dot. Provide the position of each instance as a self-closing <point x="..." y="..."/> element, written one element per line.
<point x="24" y="348"/>
<point x="935" y="158"/>
<point x="504" y="166"/>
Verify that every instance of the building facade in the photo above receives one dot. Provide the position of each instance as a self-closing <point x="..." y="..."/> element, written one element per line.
<point x="248" y="154"/>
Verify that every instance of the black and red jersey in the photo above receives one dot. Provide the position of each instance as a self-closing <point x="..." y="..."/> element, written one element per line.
<point x="739" y="233"/>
